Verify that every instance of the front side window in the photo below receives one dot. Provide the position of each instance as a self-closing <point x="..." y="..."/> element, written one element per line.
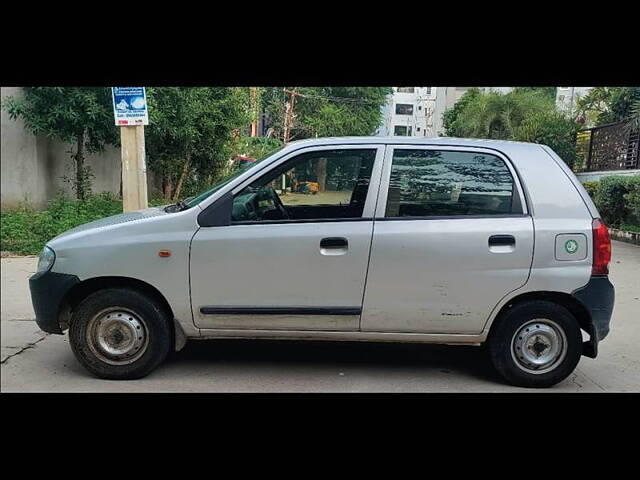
<point x="224" y="181"/>
<point x="404" y="109"/>
<point x="320" y="185"/>
<point x="406" y="89"/>
<point x="426" y="183"/>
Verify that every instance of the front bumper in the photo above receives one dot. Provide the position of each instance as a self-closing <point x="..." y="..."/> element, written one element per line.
<point x="597" y="297"/>
<point x="48" y="290"/>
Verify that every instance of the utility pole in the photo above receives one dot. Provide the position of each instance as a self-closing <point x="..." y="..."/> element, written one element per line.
<point x="134" y="169"/>
<point x="255" y="110"/>
<point x="130" y="112"/>
<point x="289" y="115"/>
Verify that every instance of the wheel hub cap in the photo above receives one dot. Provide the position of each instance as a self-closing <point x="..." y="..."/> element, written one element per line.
<point x="117" y="336"/>
<point x="539" y="346"/>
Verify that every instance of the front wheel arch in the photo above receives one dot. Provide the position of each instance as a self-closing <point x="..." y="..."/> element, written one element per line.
<point x="86" y="287"/>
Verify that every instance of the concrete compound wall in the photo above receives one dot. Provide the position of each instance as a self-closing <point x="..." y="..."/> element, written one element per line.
<point x="33" y="167"/>
<point x="596" y="176"/>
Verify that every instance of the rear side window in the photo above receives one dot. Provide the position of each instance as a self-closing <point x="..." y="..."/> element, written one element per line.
<point x="426" y="183"/>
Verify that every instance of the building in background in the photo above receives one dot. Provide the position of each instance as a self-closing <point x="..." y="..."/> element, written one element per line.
<point x="409" y="111"/>
<point x="417" y="111"/>
<point x="567" y="98"/>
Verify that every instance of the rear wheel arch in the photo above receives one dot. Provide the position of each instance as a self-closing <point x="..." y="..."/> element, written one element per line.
<point x="565" y="300"/>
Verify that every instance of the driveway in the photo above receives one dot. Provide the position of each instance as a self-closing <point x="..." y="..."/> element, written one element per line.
<point x="33" y="361"/>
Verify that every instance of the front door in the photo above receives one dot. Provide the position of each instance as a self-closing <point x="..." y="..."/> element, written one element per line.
<point x="452" y="237"/>
<point x="295" y="254"/>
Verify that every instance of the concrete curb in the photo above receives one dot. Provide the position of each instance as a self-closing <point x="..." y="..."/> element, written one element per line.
<point x="624" y="236"/>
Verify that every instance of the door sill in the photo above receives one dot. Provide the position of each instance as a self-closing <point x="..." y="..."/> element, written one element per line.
<point x="350" y="336"/>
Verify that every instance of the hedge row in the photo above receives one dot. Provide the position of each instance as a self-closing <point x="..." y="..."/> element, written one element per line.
<point x="618" y="200"/>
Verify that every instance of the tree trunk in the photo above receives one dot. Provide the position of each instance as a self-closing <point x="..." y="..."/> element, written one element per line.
<point x="80" y="173"/>
<point x="183" y="176"/>
<point x="321" y="171"/>
<point x="167" y="186"/>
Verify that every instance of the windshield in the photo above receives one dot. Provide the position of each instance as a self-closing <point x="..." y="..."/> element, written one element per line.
<point x="244" y="166"/>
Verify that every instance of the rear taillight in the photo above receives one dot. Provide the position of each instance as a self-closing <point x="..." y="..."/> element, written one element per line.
<point x="601" y="248"/>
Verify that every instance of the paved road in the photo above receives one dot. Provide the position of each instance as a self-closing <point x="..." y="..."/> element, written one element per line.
<point x="35" y="362"/>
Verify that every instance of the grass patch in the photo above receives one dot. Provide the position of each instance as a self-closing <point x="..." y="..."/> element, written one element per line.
<point x="26" y="230"/>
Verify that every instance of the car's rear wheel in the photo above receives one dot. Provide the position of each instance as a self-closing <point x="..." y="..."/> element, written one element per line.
<point x="118" y="333"/>
<point x="536" y="344"/>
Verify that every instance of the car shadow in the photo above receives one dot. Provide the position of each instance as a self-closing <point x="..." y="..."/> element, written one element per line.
<point x="470" y="360"/>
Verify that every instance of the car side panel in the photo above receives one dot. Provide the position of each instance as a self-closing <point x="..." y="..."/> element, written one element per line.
<point x="557" y="209"/>
<point x="131" y="250"/>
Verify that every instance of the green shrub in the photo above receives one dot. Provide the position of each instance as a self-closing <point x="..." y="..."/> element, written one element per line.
<point x="26" y="230"/>
<point x="591" y="188"/>
<point x="632" y="197"/>
<point x="610" y="199"/>
<point x="630" y="228"/>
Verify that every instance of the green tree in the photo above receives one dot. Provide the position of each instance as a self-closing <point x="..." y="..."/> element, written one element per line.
<point x="528" y="116"/>
<point x="553" y="129"/>
<point x="190" y="132"/>
<point x="549" y="92"/>
<point x="451" y="115"/>
<point x="494" y="115"/>
<point x="82" y="116"/>
<point x="611" y="104"/>
<point x="325" y="111"/>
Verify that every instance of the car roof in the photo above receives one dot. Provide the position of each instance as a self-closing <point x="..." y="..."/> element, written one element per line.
<point x="472" y="142"/>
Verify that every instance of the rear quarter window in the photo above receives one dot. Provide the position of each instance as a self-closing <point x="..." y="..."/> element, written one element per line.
<point x="428" y="183"/>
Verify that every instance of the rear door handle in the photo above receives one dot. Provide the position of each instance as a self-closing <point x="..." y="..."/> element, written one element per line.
<point x="334" y="242"/>
<point x="495" y="240"/>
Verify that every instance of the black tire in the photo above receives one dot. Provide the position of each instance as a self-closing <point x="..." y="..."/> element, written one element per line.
<point x="155" y="320"/>
<point x="503" y="334"/>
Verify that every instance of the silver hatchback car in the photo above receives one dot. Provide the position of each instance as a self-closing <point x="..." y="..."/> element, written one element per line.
<point x="435" y="240"/>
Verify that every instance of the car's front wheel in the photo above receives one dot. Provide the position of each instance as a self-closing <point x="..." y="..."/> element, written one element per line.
<point x="536" y="344"/>
<point x="118" y="333"/>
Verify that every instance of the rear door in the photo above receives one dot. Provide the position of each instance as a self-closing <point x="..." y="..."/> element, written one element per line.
<point x="295" y="254"/>
<point x="452" y="236"/>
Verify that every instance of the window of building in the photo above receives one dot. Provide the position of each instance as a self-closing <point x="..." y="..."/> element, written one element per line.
<point x="318" y="185"/>
<point x="406" y="90"/>
<point x="428" y="183"/>
<point x="428" y="90"/>
<point x="404" y="109"/>
<point x="402" y="131"/>
<point x="417" y="129"/>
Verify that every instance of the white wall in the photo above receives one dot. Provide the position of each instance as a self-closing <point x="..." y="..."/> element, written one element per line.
<point x="33" y="167"/>
<point x="596" y="176"/>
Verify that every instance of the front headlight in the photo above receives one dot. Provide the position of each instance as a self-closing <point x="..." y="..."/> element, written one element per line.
<point x="45" y="262"/>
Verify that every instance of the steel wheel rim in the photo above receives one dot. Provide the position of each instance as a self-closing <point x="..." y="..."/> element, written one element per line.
<point x="117" y="336"/>
<point x="539" y="346"/>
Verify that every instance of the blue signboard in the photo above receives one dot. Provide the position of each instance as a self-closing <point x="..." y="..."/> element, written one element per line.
<point x="130" y="106"/>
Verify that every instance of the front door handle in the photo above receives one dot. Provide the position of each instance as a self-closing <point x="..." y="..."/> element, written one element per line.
<point x="501" y="240"/>
<point x="334" y="242"/>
